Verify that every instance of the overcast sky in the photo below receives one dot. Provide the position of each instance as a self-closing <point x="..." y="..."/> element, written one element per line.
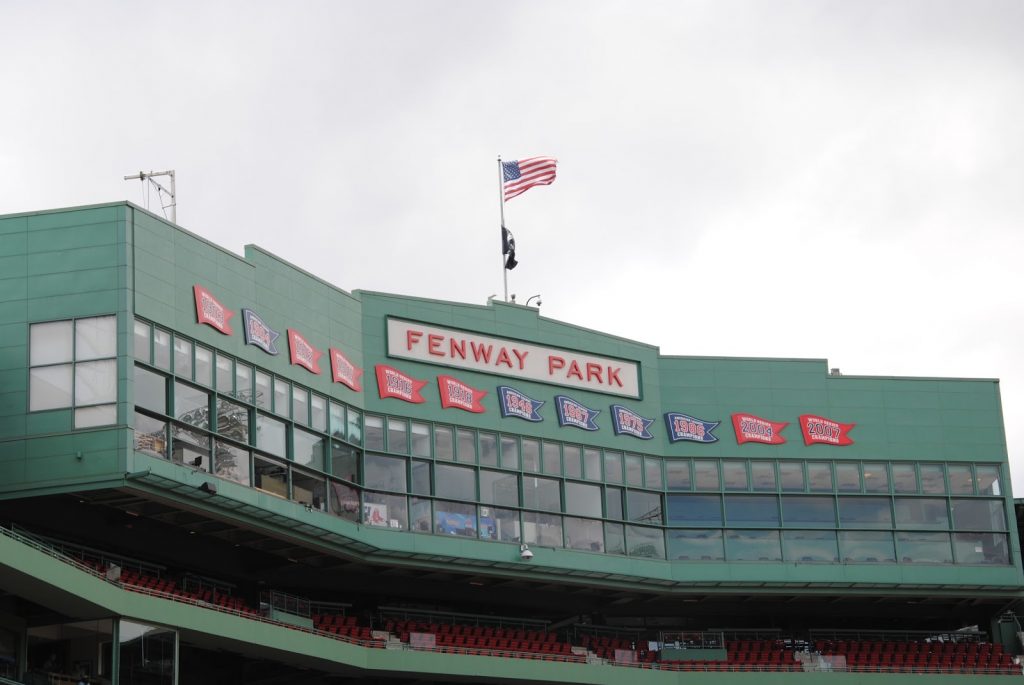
<point x="840" y="180"/>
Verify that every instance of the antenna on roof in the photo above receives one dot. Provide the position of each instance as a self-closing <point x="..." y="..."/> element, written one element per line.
<point x="161" y="191"/>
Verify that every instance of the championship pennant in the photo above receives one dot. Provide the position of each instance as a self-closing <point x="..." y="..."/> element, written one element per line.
<point x="344" y="371"/>
<point x="511" y="402"/>
<point x="818" y="429"/>
<point x="258" y="333"/>
<point x="683" y="427"/>
<point x="393" y="383"/>
<point x="627" y="422"/>
<point x="210" y="311"/>
<point x="572" y="413"/>
<point x="750" y="428"/>
<point x="457" y="395"/>
<point x="302" y="352"/>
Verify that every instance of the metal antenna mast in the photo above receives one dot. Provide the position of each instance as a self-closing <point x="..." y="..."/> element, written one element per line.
<point x="160" y="190"/>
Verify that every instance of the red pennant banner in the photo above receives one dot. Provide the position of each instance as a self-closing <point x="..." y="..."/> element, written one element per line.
<point x="393" y="383"/>
<point x="210" y="311"/>
<point x="750" y="428"/>
<point x="818" y="429"/>
<point x="302" y="352"/>
<point x="344" y="371"/>
<point x="457" y="395"/>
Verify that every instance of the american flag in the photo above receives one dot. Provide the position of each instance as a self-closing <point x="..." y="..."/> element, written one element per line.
<point x="522" y="174"/>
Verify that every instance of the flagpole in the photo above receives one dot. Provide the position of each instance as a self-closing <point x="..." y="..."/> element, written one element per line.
<point x="501" y="202"/>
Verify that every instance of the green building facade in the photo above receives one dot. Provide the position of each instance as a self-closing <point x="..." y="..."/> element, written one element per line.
<point x="166" y="400"/>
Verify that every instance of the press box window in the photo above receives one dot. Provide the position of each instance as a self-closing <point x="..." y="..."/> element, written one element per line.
<point x="73" y="365"/>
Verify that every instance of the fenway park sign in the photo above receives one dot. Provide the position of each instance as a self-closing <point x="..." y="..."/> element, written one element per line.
<point x="513" y="358"/>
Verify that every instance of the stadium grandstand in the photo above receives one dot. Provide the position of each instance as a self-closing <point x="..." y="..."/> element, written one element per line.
<point x="220" y="469"/>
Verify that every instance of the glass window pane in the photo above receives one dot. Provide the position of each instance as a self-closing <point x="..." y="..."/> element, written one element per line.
<point x="191" y="405"/>
<point x="592" y="464"/>
<point x="420" y="439"/>
<point x="397" y="435"/>
<point x="904" y="478"/>
<point x="488" y="449"/>
<point x="300" y="405"/>
<point x="373" y="431"/>
<point x="865" y="512"/>
<point x="614" y="538"/>
<point x="50" y="388"/>
<point x="444" y="443"/>
<point x="501" y="488"/>
<point x="613" y="467"/>
<point x="961" y="479"/>
<point x="386" y="511"/>
<point x="552" y="455"/>
<point x="509" y="452"/>
<point x="544" y="530"/>
<point x="677" y="472"/>
<point x="531" y="455"/>
<point x="420" y="516"/>
<point x="233" y="420"/>
<point x="150" y="436"/>
<point x="979" y="514"/>
<point x="354" y="419"/>
<point x="988" y="480"/>
<point x="810" y="546"/>
<point x="337" y="420"/>
<point x="308" y="449"/>
<point x="644" y="507"/>
<point x="466" y="451"/>
<point x="808" y="512"/>
<point x="876" y="477"/>
<point x="243" y="382"/>
<point x="231" y="463"/>
<point x="867" y="546"/>
<point x="455" y="482"/>
<point x="141" y="341"/>
<point x="645" y="542"/>
<point x="150" y="390"/>
<point x="752" y="545"/>
<point x="933" y="480"/>
<point x="183" y="358"/>
<point x="572" y="458"/>
<point x="142" y="649"/>
<point x="318" y="413"/>
<point x="819" y="476"/>
<point x="454" y="518"/>
<point x="421" y="478"/>
<point x="981" y="548"/>
<point x="309" y="489"/>
<point x="344" y="461"/>
<point x="920" y="512"/>
<point x="96" y="382"/>
<point x="762" y="476"/>
<point x="98" y="415"/>
<point x="694" y="510"/>
<point x="264" y="394"/>
<point x="190" y="447"/>
<point x="95" y="338"/>
<point x="705" y="474"/>
<point x="499" y="524"/>
<point x="634" y="471"/>
<point x="582" y="499"/>
<point x="225" y="374"/>
<point x="344" y="501"/>
<point x="162" y="349"/>
<point x="50" y="343"/>
<point x="703" y="545"/>
<point x="204" y="366"/>
<point x="652" y="472"/>
<point x="613" y="503"/>
<point x="848" y="477"/>
<point x="751" y="510"/>
<point x="541" y="493"/>
<point x="734" y="474"/>
<point x="384" y="473"/>
<point x="584" y="534"/>
<point x="270" y="435"/>
<point x="924" y="548"/>
<point x="791" y="476"/>
<point x="282" y="397"/>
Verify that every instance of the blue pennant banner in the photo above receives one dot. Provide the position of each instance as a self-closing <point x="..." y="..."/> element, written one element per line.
<point x="572" y="413"/>
<point x="514" y="403"/>
<point x="258" y="333"/>
<point x="683" y="427"/>
<point x="627" y="422"/>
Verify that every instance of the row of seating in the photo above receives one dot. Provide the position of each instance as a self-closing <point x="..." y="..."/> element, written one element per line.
<point x="914" y="655"/>
<point x="495" y="638"/>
